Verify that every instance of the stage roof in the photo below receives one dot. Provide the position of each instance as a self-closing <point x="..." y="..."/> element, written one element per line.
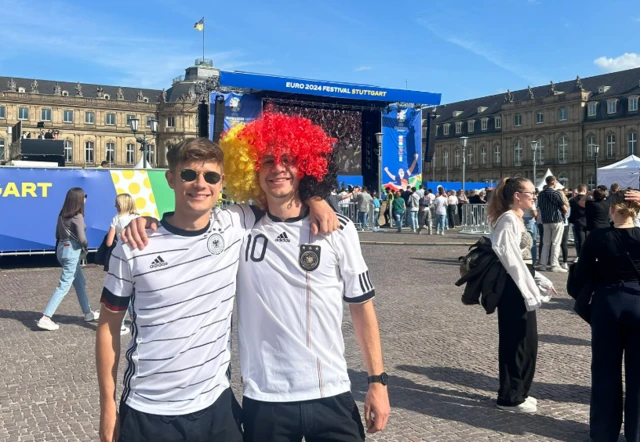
<point x="331" y="89"/>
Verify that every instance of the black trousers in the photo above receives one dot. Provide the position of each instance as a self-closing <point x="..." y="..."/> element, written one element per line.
<point x="451" y="215"/>
<point x="579" y="235"/>
<point x="615" y="330"/>
<point x="332" y="419"/>
<point x="220" y="422"/>
<point x="517" y="348"/>
<point x="540" y="238"/>
<point x="564" y="244"/>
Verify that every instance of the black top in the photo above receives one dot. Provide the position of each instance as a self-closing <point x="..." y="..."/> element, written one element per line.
<point x="476" y="199"/>
<point x="578" y="215"/>
<point x="603" y="257"/>
<point x="597" y="213"/>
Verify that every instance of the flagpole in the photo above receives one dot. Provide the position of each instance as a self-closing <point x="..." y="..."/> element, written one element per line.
<point x="203" y="40"/>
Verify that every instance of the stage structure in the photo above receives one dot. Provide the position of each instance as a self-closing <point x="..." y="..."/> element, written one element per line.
<point x="351" y="113"/>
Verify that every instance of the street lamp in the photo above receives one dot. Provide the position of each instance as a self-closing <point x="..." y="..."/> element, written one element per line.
<point x="134" y="122"/>
<point x="464" y="141"/>
<point x="596" y="151"/>
<point x="379" y="137"/>
<point x="534" y="148"/>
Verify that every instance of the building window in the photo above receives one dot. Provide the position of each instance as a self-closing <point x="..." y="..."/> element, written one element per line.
<point x="612" y="106"/>
<point x="131" y="153"/>
<point x="539" y="118"/>
<point x="68" y="151"/>
<point x="591" y="147"/>
<point x="45" y="114"/>
<point x="67" y="116"/>
<point x="110" y="153"/>
<point x="517" y="153"/>
<point x="2" y="154"/>
<point x="88" y="152"/>
<point x="434" y="161"/>
<point x="23" y="113"/>
<point x="89" y="118"/>
<point x="562" y="114"/>
<point x="592" y="109"/>
<point x="483" y="156"/>
<point x="129" y="118"/>
<point x="470" y="156"/>
<point x="3" y="112"/>
<point x="459" y="127"/>
<point x="445" y="130"/>
<point x="517" y="120"/>
<point x="457" y="158"/>
<point x="497" y="156"/>
<point x="563" y="179"/>
<point x="498" y="122"/>
<point x="611" y="146"/>
<point x="171" y="122"/>
<point x="111" y="120"/>
<point x="540" y="152"/>
<point x="151" y="154"/>
<point x="484" y="124"/>
<point x="632" y="143"/>
<point x="633" y="104"/>
<point x="150" y="118"/>
<point x="445" y="159"/>
<point x="591" y="182"/>
<point x="471" y="125"/>
<point x="563" y="150"/>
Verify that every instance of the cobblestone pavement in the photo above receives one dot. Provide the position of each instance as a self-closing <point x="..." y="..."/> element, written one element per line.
<point x="441" y="355"/>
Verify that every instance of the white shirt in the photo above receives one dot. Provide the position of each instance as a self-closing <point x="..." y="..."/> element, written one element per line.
<point x="441" y="205"/>
<point x="432" y="197"/>
<point x="119" y="222"/>
<point x="291" y="289"/>
<point x="181" y="287"/>
<point x="453" y="200"/>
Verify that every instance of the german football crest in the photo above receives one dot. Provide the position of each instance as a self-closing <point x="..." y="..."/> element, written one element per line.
<point x="215" y="244"/>
<point x="309" y="258"/>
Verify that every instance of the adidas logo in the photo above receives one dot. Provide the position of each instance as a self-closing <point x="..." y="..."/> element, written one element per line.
<point x="283" y="237"/>
<point x="158" y="262"/>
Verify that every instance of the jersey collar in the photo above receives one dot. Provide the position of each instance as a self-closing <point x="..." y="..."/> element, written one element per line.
<point x="274" y="218"/>
<point x="181" y="232"/>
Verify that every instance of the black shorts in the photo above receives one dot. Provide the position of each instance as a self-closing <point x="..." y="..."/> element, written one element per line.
<point x="219" y="422"/>
<point x="334" y="419"/>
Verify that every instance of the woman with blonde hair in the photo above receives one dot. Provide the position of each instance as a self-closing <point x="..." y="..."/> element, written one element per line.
<point x="610" y="258"/>
<point x="524" y="292"/>
<point x="71" y="246"/>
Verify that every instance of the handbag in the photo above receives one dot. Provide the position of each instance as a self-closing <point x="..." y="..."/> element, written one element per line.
<point x="104" y="251"/>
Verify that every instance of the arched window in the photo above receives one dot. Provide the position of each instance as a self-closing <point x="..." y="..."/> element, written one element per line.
<point x="151" y="154"/>
<point x="457" y="158"/>
<point x="445" y="159"/>
<point x="497" y="155"/>
<point x="469" y="156"/>
<point x="89" y="149"/>
<point x="483" y="155"/>
<point x="611" y="146"/>
<point x="517" y="153"/>
<point x="131" y="153"/>
<point x="68" y="151"/>
<point x="563" y="179"/>
<point x="632" y="143"/>
<point x="563" y="150"/>
<point x="591" y="147"/>
<point x="110" y="151"/>
<point x="540" y="151"/>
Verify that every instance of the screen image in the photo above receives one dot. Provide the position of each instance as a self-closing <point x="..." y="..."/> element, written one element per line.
<point x="344" y="125"/>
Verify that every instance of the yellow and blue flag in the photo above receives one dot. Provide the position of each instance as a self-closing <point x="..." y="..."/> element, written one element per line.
<point x="199" y="26"/>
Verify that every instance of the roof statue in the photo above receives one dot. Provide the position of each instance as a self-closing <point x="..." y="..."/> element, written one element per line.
<point x="531" y="96"/>
<point x="508" y="98"/>
<point x="99" y="92"/>
<point x="140" y="96"/>
<point x="34" y="87"/>
<point x="162" y="98"/>
<point x="57" y="90"/>
<point x="120" y="94"/>
<point x="579" y="83"/>
<point x="552" y="88"/>
<point x="78" y="90"/>
<point x="11" y="85"/>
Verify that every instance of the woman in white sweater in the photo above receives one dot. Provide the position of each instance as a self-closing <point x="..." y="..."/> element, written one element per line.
<point x="524" y="292"/>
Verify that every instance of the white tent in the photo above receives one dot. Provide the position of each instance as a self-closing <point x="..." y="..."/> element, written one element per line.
<point x="140" y="164"/>
<point x="625" y="172"/>
<point x="541" y="182"/>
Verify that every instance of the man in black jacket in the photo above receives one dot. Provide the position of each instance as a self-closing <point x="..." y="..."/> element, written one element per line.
<point x="578" y="219"/>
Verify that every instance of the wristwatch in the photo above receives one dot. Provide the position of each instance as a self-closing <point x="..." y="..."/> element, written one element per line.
<point x="381" y="378"/>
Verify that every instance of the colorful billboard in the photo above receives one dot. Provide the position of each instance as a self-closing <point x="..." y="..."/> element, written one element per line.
<point x="401" y="148"/>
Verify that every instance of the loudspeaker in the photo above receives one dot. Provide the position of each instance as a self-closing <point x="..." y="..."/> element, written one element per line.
<point x="218" y="118"/>
<point x="203" y="120"/>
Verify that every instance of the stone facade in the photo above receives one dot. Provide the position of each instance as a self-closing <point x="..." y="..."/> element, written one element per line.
<point x="567" y="120"/>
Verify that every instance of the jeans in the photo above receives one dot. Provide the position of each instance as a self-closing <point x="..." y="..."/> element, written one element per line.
<point x="451" y="215"/>
<point x="552" y="242"/>
<point x="530" y="224"/>
<point x="579" y="235"/>
<point x="414" y="220"/>
<point x="615" y="330"/>
<point x="426" y="218"/>
<point x="376" y="218"/>
<point x="68" y="254"/>
<point x="441" y="223"/>
<point x="362" y="217"/>
<point x="399" y="216"/>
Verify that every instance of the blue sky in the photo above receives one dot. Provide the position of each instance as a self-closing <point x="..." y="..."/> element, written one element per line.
<point x="462" y="49"/>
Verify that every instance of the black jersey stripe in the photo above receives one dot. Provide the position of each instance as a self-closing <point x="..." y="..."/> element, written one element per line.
<point x="118" y="258"/>
<point x="368" y="280"/>
<point x="362" y="287"/>
<point x="185" y="368"/>
<point x="188" y="349"/>
<point x="190" y="316"/>
<point x="117" y="277"/>
<point x="190" y="280"/>
<point x="190" y="299"/>
<point x="192" y="334"/>
<point x="131" y="366"/>
<point x="360" y="299"/>
<point x="156" y="253"/>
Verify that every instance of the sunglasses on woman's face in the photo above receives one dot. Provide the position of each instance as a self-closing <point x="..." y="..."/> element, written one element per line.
<point x="189" y="175"/>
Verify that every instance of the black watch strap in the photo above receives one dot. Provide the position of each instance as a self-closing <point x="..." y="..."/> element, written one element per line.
<point x="381" y="379"/>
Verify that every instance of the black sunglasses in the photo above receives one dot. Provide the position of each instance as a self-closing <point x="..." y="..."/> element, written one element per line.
<point x="189" y="175"/>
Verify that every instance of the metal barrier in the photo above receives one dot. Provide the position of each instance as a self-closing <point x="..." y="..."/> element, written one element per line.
<point x="474" y="219"/>
<point x="351" y="211"/>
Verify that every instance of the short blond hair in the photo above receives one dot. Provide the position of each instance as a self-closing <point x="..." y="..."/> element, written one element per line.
<point x="126" y="205"/>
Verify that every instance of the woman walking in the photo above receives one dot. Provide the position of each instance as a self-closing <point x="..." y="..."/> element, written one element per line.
<point x="522" y="294"/>
<point x="610" y="257"/>
<point x="398" y="207"/>
<point x="71" y="244"/>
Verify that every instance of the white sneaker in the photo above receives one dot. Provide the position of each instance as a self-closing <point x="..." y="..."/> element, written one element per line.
<point x="565" y="266"/>
<point x="47" y="324"/>
<point x="525" y="407"/>
<point x="558" y="269"/>
<point x="124" y="330"/>
<point x="532" y="400"/>
<point x="92" y="316"/>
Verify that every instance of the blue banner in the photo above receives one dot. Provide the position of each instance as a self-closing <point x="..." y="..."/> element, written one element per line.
<point x="402" y="148"/>
<point x="240" y="108"/>
<point x="244" y="80"/>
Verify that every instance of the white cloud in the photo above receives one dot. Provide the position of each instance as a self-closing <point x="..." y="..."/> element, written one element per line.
<point x="363" y="68"/>
<point x="628" y="60"/>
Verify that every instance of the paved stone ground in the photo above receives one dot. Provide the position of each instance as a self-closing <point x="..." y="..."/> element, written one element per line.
<point x="441" y="355"/>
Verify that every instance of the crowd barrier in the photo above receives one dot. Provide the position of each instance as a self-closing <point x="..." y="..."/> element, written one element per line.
<point x="474" y="219"/>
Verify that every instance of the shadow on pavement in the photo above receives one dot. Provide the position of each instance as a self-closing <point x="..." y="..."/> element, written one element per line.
<point x="29" y="319"/>
<point x="563" y="340"/>
<point x="477" y="411"/>
<point x="451" y="262"/>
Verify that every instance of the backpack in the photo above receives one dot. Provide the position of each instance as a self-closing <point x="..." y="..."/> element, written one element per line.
<point x="478" y="250"/>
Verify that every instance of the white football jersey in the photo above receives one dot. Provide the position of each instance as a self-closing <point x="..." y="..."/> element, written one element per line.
<point x="291" y="288"/>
